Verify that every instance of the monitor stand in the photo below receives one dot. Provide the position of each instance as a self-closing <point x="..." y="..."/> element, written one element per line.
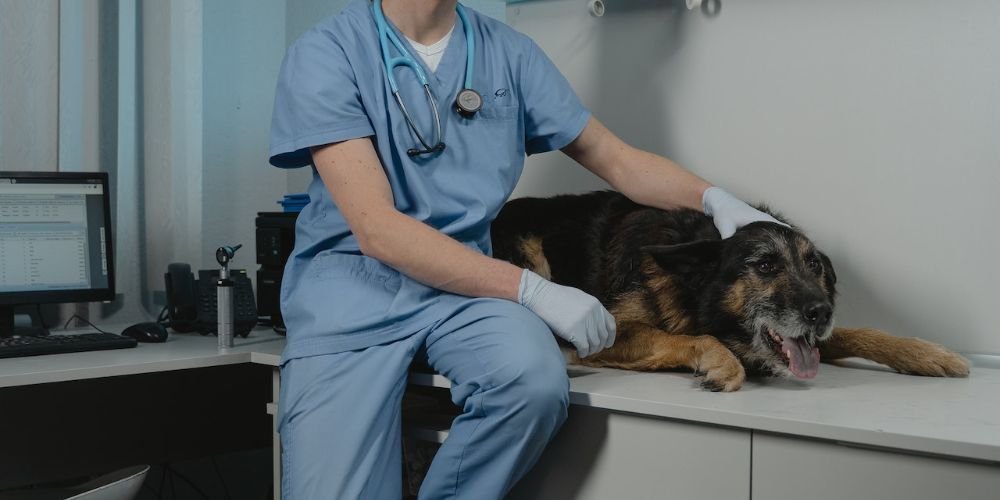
<point x="7" y="328"/>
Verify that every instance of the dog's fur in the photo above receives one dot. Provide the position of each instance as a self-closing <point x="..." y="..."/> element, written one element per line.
<point x="682" y="297"/>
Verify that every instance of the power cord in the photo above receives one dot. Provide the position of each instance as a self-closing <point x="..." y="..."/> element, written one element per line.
<point x="221" y="480"/>
<point x="41" y="319"/>
<point x="184" y="478"/>
<point x="81" y="318"/>
<point x="163" y="480"/>
<point x="163" y="316"/>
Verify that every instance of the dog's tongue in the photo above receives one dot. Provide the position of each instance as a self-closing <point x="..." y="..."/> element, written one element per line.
<point x="803" y="359"/>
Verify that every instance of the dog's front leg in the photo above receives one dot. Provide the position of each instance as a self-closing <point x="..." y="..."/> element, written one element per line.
<point x="906" y="355"/>
<point x="640" y="346"/>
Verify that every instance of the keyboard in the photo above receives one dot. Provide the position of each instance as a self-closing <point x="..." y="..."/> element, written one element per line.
<point x="14" y="347"/>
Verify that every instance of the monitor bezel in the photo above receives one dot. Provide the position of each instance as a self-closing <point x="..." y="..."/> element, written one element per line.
<point x="76" y="295"/>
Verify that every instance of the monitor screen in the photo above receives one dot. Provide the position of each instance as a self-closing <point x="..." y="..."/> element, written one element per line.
<point x="55" y="238"/>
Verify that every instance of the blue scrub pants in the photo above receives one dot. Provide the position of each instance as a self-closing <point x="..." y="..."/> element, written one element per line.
<point x="340" y="413"/>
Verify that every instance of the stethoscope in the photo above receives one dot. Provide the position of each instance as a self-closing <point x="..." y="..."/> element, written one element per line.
<point x="468" y="101"/>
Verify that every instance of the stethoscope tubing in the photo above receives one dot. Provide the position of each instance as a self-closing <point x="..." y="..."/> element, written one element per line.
<point x="386" y="34"/>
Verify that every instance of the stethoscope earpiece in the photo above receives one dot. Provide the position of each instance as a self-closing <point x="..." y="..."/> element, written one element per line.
<point x="437" y="148"/>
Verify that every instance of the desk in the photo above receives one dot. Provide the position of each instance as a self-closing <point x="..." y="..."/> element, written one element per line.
<point x="863" y="431"/>
<point x="179" y="352"/>
<point x="150" y="404"/>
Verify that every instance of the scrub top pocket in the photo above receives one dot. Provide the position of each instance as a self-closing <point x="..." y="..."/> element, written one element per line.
<point x="501" y="113"/>
<point x="500" y="149"/>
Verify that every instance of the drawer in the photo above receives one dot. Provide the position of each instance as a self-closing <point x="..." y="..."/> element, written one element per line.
<point x="786" y="468"/>
<point x="607" y="455"/>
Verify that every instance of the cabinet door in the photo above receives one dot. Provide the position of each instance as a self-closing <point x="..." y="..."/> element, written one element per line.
<point x="608" y="456"/>
<point x="792" y="468"/>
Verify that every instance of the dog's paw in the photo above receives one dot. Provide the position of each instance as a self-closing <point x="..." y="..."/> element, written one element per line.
<point x="721" y="370"/>
<point x="914" y="356"/>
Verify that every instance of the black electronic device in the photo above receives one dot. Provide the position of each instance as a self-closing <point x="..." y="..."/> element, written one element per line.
<point x="35" y="345"/>
<point x="191" y="303"/>
<point x="275" y="241"/>
<point x="55" y="242"/>
<point x="149" y="331"/>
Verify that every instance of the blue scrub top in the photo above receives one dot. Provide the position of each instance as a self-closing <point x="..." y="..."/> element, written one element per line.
<point x="332" y="87"/>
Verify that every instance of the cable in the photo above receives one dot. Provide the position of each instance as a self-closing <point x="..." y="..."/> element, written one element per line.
<point x="221" y="480"/>
<point x="190" y="483"/>
<point x="173" y="490"/>
<point x="146" y="486"/>
<point x="163" y="480"/>
<point x="41" y="319"/>
<point x="81" y="318"/>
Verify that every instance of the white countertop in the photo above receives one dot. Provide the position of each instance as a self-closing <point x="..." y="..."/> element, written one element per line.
<point x="858" y="403"/>
<point x="179" y="352"/>
<point x="861" y="404"/>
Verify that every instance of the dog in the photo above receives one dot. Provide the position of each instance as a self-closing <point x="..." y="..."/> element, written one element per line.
<point x="759" y="302"/>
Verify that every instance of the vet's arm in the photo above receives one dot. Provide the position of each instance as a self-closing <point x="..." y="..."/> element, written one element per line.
<point x="642" y="176"/>
<point x="352" y="173"/>
<point x="656" y="181"/>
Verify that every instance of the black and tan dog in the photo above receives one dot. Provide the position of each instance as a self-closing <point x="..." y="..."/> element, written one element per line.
<point x="761" y="301"/>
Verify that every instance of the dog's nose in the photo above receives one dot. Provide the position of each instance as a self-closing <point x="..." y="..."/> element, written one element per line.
<point x="817" y="312"/>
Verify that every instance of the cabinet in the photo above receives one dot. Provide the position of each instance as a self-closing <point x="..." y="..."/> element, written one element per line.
<point x="787" y="468"/>
<point x="607" y="455"/>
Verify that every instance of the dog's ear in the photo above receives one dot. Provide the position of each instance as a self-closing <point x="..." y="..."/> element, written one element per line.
<point x="686" y="258"/>
<point x="829" y="274"/>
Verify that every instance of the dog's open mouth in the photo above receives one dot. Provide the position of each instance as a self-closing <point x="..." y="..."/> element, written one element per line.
<point x="802" y="359"/>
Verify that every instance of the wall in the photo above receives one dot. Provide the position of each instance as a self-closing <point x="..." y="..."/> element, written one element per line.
<point x="29" y="115"/>
<point x="209" y="71"/>
<point x="171" y="141"/>
<point x="874" y="125"/>
<point x="243" y="47"/>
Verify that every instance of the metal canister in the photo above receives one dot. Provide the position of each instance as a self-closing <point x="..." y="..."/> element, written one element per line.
<point x="224" y="290"/>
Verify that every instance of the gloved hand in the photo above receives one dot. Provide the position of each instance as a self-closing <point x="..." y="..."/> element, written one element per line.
<point x="729" y="213"/>
<point x="570" y="313"/>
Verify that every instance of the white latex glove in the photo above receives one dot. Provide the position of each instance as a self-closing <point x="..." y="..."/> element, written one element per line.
<point x="729" y="213"/>
<point x="570" y="313"/>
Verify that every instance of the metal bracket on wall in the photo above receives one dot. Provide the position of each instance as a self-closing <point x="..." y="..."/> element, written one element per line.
<point x="596" y="7"/>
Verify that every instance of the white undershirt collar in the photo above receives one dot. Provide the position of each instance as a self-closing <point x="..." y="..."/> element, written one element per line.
<point x="431" y="54"/>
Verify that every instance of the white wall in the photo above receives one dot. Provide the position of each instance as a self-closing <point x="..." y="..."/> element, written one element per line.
<point x="874" y="125"/>
<point x="243" y="47"/>
<point x="209" y="72"/>
<point x="29" y="113"/>
<point x="171" y="123"/>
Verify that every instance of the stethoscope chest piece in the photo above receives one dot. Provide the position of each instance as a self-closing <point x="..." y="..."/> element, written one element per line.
<point x="468" y="103"/>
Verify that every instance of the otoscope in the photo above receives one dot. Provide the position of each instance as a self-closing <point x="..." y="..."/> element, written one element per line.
<point x="224" y="290"/>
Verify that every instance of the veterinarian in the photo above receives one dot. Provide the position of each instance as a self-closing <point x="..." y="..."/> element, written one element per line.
<point x="392" y="254"/>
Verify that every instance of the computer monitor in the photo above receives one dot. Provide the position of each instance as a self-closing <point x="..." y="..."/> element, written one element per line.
<point x="55" y="241"/>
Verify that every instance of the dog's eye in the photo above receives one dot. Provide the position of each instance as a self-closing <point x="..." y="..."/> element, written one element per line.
<point x="765" y="267"/>
<point x="814" y="265"/>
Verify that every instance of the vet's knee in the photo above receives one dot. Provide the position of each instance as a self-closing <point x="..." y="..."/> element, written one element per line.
<point x="535" y="385"/>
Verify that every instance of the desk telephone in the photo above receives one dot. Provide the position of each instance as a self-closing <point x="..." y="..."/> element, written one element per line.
<point x="191" y="303"/>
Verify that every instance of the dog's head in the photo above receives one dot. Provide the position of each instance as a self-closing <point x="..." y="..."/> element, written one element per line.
<point x="766" y="292"/>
